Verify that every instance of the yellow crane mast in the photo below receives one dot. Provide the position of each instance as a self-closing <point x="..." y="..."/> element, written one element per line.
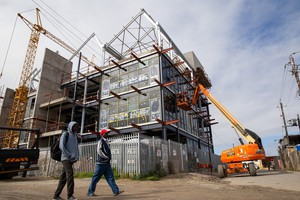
<point x="17" y="112"/>
<point x="16" y="117"/>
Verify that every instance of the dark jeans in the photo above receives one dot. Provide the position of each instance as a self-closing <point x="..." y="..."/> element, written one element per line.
<point x="66" y="177"/>
<point x="103" y="169"/>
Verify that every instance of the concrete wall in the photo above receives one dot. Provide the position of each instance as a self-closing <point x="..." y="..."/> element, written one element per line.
<point x="6" y="106"/>
<point x="290" y="158"/>
<point x="53" y="69"/>
<point x="193" y="60"/>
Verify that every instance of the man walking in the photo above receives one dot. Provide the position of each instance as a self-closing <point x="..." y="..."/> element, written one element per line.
<point x="70" y="154"/>
<point x="103" y="166"/>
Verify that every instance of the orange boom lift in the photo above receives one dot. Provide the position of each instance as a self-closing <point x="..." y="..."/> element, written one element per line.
<point x="240" y="158"/>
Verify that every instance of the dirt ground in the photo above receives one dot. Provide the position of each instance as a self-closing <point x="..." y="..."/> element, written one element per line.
<point x="187" y="186"/>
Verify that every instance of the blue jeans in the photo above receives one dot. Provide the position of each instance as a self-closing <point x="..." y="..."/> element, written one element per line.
<point x="103" y="169"/>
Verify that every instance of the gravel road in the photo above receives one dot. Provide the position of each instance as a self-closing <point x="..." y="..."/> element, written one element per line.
<point x="183" y="186"/>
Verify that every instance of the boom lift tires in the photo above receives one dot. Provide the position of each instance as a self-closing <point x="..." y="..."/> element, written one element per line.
<point x="223" y="170"/>
<point x="252" y="169"/>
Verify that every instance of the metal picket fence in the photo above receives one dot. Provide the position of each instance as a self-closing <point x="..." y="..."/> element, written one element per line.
<point x="132" y="154"/>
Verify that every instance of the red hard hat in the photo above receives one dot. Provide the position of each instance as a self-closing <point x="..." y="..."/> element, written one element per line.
<point x="103" y="131"/>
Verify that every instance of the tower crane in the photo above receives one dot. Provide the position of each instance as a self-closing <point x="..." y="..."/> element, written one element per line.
<point x="17" y="112"/>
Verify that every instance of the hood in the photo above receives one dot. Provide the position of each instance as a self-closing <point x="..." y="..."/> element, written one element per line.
<point x="70" y="126"/>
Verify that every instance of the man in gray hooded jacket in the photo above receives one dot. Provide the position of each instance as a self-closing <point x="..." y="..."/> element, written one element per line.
<point x="70" y="154"/>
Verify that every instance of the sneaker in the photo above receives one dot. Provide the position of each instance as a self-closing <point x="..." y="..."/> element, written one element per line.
<point x="57" y="198"/>
<point x="120" y="192"/>
<point x="92" y="195"/>
<point x="72" y="198"/>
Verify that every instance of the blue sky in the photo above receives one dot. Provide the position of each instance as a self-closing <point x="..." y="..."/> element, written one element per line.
<point x="243" y="46"/>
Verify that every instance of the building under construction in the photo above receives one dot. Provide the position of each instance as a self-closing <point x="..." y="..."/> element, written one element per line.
<point x="136" y="89"/>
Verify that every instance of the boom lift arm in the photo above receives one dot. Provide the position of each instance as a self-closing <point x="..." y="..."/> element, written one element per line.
<point x="248" y="135"/>
<point x="237" y="159"/>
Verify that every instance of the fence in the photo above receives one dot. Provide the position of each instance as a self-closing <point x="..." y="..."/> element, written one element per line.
<point x="133" y="154"/>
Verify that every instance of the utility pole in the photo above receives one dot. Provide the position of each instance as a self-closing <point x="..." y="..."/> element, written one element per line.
<point x="298" y="119"/>
<point x="284" y="121"/>
<point x="295" y="71"/>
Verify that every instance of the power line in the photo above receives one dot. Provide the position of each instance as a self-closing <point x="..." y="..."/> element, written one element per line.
<point x="13" y="31"/>
<point x="290" y="92"/>
<point x="90" y="49"/>
<point x="283" y="81"/>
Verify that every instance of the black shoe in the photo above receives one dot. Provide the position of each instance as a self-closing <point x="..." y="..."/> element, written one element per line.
<point x="120" y="192"/>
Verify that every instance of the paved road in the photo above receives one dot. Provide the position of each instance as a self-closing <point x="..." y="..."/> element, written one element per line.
<point x="264" y="178"/>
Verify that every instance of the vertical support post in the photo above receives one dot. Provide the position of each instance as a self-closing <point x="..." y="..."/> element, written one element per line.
<point x="84" y="105"/>
<point x="75" y="88"/>
<point x="99" y="106"/>
<point x="284" y="122"/>
<point x="139" y="154"/>
<point x="59" y="115"/>
<point x="295" y="71"/>
<point x="298" y="119"/>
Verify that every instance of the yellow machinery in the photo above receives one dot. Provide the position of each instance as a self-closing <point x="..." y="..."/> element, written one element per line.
<point x="17" y="112"/>
<point x="239" y="158"/>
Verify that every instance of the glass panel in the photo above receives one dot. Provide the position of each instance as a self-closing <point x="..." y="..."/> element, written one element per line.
<point x="133" y="120"/>
<point x="144" y="104"/>
<point x="122" y="123"/>
<point x="144" y="119"/>
<point x="133" y="99"/>
<point x="123" y="83"/>
<point x="154" y="74"/>
<point x="155" y="94"/>
<point x="145" y="62"/>
<point x="105" y="88"/>
<point x="112" y="118"/>
<point x="114" y="73"/>
<point x="132" y="77"/>
<point x="113" y="110"/>
<point x="103" y="119"/>
<point x="123" y="103"/>
<point x="122" y="116"/>
<point x="153" y="61"/>
<point x="144" y="71"/>
<point x="143" y="98"/>
<point x="143" y="84"/>
<point x="133" y="67"/>
<point x="138" y="108"/>
<point x="133" y="106"/>
<point x="113" y="104"/>
<point x="123" y="109"/>
<point x="113" y="124"/>
<point x="133" y="114"/>
<point x="155" y="109"/>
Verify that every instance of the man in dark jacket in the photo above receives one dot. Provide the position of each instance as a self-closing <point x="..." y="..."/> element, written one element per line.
<point x="68" y="145"/>
<point x="103" y="166"/>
